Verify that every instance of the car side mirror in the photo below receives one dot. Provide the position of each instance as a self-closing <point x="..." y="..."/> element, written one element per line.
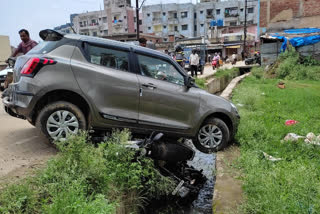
<point x="189" y="82"/>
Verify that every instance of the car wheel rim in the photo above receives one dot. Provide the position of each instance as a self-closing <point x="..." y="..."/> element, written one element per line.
<point x="62" y="124"/>
<point x="210" y="136"/>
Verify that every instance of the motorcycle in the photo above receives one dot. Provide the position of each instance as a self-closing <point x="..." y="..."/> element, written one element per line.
<point x="254" y="60"/>
<point x="171" y="160"/>
<point x="215" y="64"/>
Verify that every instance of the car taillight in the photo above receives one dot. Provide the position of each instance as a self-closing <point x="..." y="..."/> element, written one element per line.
<point x="34" y="64"/>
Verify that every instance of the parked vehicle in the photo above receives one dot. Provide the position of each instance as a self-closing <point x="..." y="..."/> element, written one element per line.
<point x="171" y="161"/>
<point x="4" y="73"/>
<point x="71" y="82"/>
<point x="256" y="59"/>
<point x="215" y="64"/>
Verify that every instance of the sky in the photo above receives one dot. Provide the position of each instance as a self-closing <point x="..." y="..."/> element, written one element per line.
<point x="36" y="15"/>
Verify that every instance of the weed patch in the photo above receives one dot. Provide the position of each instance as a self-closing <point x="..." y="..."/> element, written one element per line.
<point x="291" y="185"/>
<point x="84" y="178"/>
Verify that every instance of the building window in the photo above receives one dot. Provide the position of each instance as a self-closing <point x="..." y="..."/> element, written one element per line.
<point x="250" y="22"/>
<point x="109" y="58"/>
<point x="125" y="17"/>
<point x="241" y="10"/>
<point x="95" y="33"/>
<point x="250" y="10"/>
<point x="164" y="27"/>
<point x="201" y="25"/>
<point x="195" y="27"/>
<point x="201" y="12"/>
<point x="163" y="14"/>
<point x="184" y="14"/>
<point x="80" y="23"/>
<point x="99" y="19"/>
<point x="149" y="28"/>
<point x="126" y="29"/>
<point x="140" y="22"/>
<point x="175" y="15"/>
<point x="184" y="27"/>
<point x="233" y="23"/>
<point x="93" y="21"/>
<point x="105" y="32"/>
<point x="176" y="28"/>
<point x="148" y="14"/>
<point x="195" y="15"/>
<point x="210" y="13"/>
<point x="218" y="11"/>
<point x="165" y="39"/>
<point x="84" y="23"/>
<point x="104" y="19"/>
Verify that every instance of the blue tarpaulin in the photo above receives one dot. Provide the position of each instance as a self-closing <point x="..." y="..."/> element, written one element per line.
<point x="218" y="23"/>
<point x="302" y="41"/>
<point x="303" y="30"/>
<point x="299" y="41"/>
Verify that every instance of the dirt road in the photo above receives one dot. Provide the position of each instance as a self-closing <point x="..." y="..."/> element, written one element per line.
<point x="21" y="147"/>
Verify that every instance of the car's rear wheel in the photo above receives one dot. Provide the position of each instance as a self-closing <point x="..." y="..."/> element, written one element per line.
<point x="212" y="136"/>
<point x="61" y="119"/>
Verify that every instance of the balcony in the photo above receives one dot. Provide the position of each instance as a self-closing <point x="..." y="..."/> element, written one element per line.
<point x="157" y="20"/>
<point x="210" y="16"/>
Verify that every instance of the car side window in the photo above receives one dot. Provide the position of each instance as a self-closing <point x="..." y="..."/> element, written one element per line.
<point x="110" y="58"/>
<point x="160" y="69"/>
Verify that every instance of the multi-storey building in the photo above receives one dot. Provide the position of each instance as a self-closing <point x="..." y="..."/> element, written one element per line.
<point x="91" y="23"/>
<point x="117" y="18"/>
<point x="197" y="20"/>
<point x="170" y="21"/>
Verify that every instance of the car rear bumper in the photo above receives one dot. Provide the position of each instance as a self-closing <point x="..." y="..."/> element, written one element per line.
<point x="15" y="103"/>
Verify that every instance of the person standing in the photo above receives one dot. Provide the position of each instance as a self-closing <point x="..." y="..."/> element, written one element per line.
<point x="26" y="45"/>
<point x="143" y="42"/>
<point x="194" y="63"/>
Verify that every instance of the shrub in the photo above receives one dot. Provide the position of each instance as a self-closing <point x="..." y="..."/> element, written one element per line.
<point x="201" y="83"/>
<point x="85" y="178"/>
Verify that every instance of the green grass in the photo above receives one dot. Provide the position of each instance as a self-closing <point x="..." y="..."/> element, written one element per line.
<point x="84" y="178"/>
<point x="233" y="72"/>
<point x="293" y="184"/>
<point x="291" y="66"/>
<point x="201" y="83"/>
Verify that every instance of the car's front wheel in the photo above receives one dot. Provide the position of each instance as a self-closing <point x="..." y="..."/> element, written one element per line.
<point x="212" y="136"/>
<point x="61" y="119"/>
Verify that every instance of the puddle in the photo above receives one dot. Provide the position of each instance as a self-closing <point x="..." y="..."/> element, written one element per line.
<point x="203" y="203"/>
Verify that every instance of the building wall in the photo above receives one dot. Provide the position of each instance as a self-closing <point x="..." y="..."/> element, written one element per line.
<point x="199" y="17"/>
<point x="278" y="15"/>
<point x="5" y="50"/>
<point x="83" y="23"/>
<point x="161" y="20"/>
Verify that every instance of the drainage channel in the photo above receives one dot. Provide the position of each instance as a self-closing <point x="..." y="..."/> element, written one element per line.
<point x="203" y="203"/>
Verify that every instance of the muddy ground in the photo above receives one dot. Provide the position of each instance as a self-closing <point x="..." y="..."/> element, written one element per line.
<point x="22" y="148"/>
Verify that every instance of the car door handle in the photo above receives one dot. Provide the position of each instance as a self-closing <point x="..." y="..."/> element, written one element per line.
<point x="149" y="85"/>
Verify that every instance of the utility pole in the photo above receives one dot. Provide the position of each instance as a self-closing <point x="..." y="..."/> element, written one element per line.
<point x="245" y="28"/>
<point x="137" y="15"/>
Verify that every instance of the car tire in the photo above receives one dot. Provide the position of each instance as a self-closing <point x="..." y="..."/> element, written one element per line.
<point x="60" y="115"/>
<point x="217" y="139"/>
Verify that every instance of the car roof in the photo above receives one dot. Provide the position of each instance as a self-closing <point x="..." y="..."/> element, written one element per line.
<point x="114" y="43"/>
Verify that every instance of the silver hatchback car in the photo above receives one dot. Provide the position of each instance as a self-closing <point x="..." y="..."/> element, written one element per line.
<point x="72" y="82"/>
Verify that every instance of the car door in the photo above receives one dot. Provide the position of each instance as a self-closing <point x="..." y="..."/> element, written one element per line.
<point x="165" y="101"/>
<point x="104" y="75"/>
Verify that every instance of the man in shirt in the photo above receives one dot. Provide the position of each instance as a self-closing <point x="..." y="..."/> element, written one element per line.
<point x="194" y="63"/>
<point x="143" y="42"/>
<point x="26" y="45"/>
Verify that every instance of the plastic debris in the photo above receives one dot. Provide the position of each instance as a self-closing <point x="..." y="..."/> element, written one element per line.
<point x="293" y="137"/>
<point x="312" y="139"/>
<point x="239" y="104"/>
<point x="291" y="122"/>
<point x="270" y="158"/>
